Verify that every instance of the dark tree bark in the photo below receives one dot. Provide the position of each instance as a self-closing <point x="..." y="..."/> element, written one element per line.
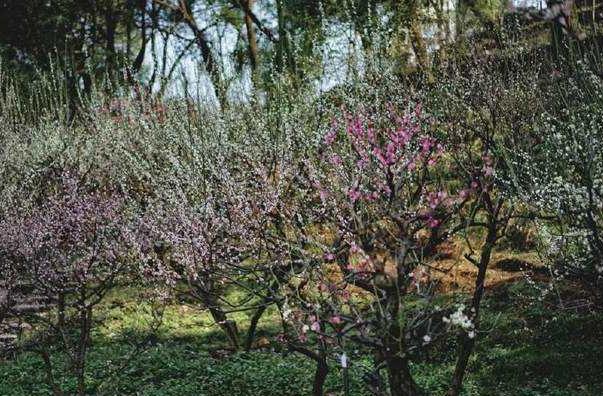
<point x="467" y="343"/>
<point x="400" y="379"/>
<point x="257" y="315"/>
<point x="322" y="367"/>
<point x="50" y="381"/>
<point x="85" y="322"/>
<point x="111" y="27"/>
<point x="251" y="39"/>
<point x="284" y="58"/>
<point x="320" y="376"/>
<point x="137" y="64"/>
<point x="219" y="316"/>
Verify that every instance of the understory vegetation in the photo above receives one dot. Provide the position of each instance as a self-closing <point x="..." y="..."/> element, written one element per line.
<point x="532" y="346"/>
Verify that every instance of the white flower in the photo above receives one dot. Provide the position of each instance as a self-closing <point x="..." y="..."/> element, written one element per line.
<point x="286" y="312"/>
<point x="344" y="360"/>
<point x="458" y="318"/>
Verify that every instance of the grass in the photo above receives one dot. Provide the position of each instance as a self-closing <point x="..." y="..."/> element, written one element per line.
<point x="526" y="349"/>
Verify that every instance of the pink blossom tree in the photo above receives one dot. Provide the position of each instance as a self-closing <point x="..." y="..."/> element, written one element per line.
<point x="72" y="249"/>
<point x="192" y="249"/>
<point x="206" y="245"/>
<point x="386" y="210"/>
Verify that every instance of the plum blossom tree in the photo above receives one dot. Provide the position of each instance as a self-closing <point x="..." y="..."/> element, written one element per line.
<point x="561" y="178"/>
<point x="9" y="276"/>
<point x="491" y="210"/>
<point x="72" y="249"/>
<point x="480" y="134"/>
<point x="385" y="209"/>
<point x="199" y="247"/>
<point x="215" y="241"/>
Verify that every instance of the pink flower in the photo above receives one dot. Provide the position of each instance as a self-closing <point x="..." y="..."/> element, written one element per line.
<point x="372" y="196"/>
<point x="426" y="144"/>
<point x="354" y="194"/>
<point x="432" y="222"/>
<point x="355" y="128"/>
<point x="384" y="188"/>
<point x="401" y="137"/>
<point x="488" y="168"/>
<point x="361" y="163"/>
<point x="336" y="320"/>
<point x="390" y="154"/>
<point x="345" y="295"/>
<point x="335" y="160"/>
<point x="370" y="135"/>
<point x="329" y="256"/>
<point x="315" y="326"/>
<point x="330" y="136"/>
<point x="280" y="338"/>
<point x="324" y="194"/>
<point x="435" y="199"/>
<point x="377" y="152"/>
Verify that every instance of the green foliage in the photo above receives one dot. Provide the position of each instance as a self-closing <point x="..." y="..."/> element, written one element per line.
<point x="527" y="349"/>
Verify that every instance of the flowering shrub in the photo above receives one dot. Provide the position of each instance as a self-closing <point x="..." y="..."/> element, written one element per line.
<point x="486" y="113"/>
<point x="563" y="177"/>
<point x="202" y="247"/>
<point x="71" y="249"/>
<point x="385" y="211"/>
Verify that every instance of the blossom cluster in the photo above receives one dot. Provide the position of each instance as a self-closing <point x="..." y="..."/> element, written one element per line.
<point x="76" y="237"/>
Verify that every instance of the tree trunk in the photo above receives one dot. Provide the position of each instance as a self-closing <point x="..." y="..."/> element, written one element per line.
<point x="418" y="44"/>
<point x="219" y="316"/>
<point x="465" y="349"/>
<point x="561" y="28"/>
<point x="251" y="39"/>
<point x="320" y="376"/>
<point x="467" y="343"/>
<point x="227" y="325"/>
<point x="209" y="61"/>
<point x="322" y="367"/>
<point x="111" y="26"/>
<point x="443" y="31"/>
<point x="137" y="64"/>
<point x="82" y="349"/>
<point x="254" y="324"/>
<point x="409" y="17"/>
<point x="284" y="57"/>
<point x="400" y="379"/>
<point x="61" y="311"/>
<point x="56" y="390"/>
